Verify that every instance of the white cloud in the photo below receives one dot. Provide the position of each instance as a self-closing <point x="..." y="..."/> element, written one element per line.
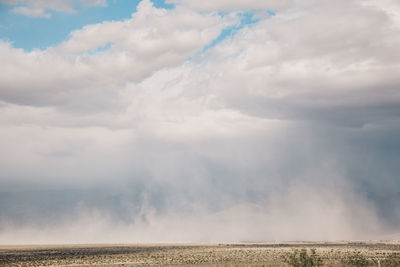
<point x="32" y="12"/>
<point x="306" y="97"/>
<point x="70" y="75"/>
<point x="40" y="8"/>
<point x="337" y="58"/>
<point x="233" y="5"/>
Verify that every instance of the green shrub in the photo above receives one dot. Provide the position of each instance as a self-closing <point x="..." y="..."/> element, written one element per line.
<point x="357" y="259"/>
<point x="393" y="260"/>
<point x="302" y="258"/>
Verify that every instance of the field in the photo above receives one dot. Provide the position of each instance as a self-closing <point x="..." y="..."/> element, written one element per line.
<point x="204" y="255"/>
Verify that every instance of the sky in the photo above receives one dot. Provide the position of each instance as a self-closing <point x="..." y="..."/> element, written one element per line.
<point x="199" y="121"/>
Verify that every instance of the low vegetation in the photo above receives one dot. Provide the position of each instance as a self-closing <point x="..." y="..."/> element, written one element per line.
<point x="301" y="258"/>
<point x="213" y="255"/>
<point x="357" y="259"/>
<point x="392" y="260"/>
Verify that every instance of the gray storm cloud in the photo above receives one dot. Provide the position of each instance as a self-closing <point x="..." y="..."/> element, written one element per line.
<point x="287" y="130"/>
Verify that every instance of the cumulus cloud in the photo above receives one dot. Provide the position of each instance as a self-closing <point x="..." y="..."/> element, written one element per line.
<point x="290" y="123"/>
<point x="234" y="5"/>
<point x="152" y="39"/>
<point x="338" y="65"/>
<point x="40" y="8"/>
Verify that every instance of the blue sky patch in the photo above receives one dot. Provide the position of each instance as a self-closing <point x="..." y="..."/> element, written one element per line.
<point x="39" y="33"/>
<point x="247" y="18"/>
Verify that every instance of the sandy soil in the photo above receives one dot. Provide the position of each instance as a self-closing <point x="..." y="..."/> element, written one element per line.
<point x="205" y="255"/>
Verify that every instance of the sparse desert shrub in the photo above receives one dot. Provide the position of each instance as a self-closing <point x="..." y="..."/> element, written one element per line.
<point x="393" y="260"/>
<point x="357" y="259"/>
<point x="301" y="258"/>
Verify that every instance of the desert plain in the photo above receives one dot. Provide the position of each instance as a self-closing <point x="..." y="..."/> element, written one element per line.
<point x="204" y="255"/>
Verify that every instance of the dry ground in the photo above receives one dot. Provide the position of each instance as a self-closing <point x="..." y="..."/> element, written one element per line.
<point x="205" y="255"/>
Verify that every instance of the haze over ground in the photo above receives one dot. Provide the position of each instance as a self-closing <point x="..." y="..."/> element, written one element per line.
<point x="199" y="121"/>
